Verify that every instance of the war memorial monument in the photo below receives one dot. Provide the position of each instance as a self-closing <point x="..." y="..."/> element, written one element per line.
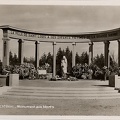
<point x="62" y="96"/>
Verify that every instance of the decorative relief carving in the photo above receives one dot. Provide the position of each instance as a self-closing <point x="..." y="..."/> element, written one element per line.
<point x="58" y="36"/>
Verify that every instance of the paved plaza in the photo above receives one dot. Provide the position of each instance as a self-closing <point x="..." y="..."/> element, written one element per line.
<point x="34" y="106"/>
<point x="64" y="83"/>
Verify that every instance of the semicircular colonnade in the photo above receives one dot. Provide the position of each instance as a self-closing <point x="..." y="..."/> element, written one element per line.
<point x="23" y="35"/>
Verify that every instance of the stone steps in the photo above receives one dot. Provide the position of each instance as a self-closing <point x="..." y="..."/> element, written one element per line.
<point x="63" y="89"/>
<point x="62" y="93"/>
<point x="60" y="98"/>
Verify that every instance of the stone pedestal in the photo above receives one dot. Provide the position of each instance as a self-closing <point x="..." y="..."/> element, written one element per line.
<point x="112" y="80"/>
<point x="117" y="82"/>
<point x="14" y="80"/>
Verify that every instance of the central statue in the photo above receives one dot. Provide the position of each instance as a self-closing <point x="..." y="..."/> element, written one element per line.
<point x="64" y="66"/>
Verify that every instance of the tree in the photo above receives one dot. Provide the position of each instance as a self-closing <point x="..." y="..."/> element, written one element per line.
<point x="32" y="60"/>
<point x="43" y="59"/>
<point x="59" y="56"/>
<point x="29" y="60"/>
<point x="84" y="58"/>
<point x="49" y="60"/>
<point x="99" y="61"/>
<point x="25" y="59"/>
<point x="13" y="59"/>
<point x="77" y="58"/>
<point x="113" y="63"/>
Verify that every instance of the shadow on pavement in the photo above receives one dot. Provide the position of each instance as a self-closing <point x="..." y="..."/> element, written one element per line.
<point x="102" y="85"/>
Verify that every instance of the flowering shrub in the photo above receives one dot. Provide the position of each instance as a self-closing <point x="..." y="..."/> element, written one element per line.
<point x="92" y="72"/>
<point x="25" y="71"/>
<point x="82" y="71"/>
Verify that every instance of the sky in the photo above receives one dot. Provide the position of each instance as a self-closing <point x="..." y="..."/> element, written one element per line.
<point x="60" y="19"/>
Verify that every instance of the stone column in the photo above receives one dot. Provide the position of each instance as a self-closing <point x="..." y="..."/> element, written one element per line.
<point x="106" y="53"/>
<point x="118" y="53"/>
<point x="20" y="50"/>
<point x="108" y="60"/>
<point x="37" y="54"/>
<point x="54" y="59"/>
<point x="73" y="54"/>
<point x="6" y="45"/>
<point x="90" y="52"/>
